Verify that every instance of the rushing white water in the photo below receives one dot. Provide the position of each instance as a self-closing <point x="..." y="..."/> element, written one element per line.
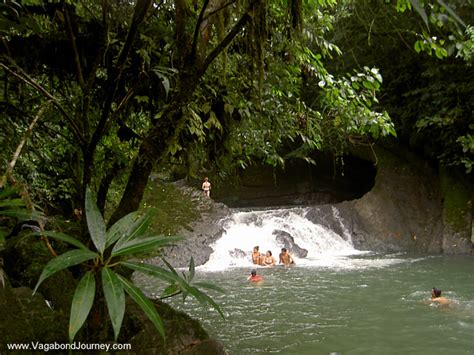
<point x="244" y="230"/>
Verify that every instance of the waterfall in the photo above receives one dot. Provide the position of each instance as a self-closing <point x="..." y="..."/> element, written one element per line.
<point x="309" y="243"/>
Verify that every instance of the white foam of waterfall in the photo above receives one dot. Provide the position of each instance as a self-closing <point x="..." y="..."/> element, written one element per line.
<point x="244" y="230"/>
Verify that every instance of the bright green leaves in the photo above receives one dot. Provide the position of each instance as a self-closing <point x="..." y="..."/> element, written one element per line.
<point x="445" y="22"/>
<point x="349" y="101"/>
<point x="82" y="302"/>
<point x="431" y="45"/>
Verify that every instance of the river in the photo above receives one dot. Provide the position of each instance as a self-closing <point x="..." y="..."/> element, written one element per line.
<point x="337" y="300"/>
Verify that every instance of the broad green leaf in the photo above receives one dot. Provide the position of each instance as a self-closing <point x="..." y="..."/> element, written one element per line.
<point x="136" y="229"/>
<point x="81" y="303"/>
<point x="63" y="261"/>
<point x="95" y="222"/>
<point x="120" y="228"/>
<point x="142" y="245"/>
<point x="152" y="270"/>
<point x="145" y="304"/>
<point x="61" y="236"/>
<point x="115" y="298"/>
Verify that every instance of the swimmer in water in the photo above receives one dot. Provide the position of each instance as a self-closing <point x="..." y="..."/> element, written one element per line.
<point x="254" y="277"/>
<point x="437" y="298"/>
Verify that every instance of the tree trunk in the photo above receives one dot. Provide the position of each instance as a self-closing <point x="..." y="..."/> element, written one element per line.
<point x="136" y="185"/>
<point x="105" y="185"/>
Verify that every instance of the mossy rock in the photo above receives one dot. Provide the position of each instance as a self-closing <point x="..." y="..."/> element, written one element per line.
<point x="184" y="335"/>
<point x="25" y="318"/>
<point x="457" y="200"/>
<point x="25" y="258"/>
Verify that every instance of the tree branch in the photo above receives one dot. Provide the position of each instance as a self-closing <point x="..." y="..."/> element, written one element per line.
<point x="227" y="40"/>
<point x="25" y="78"/>
<point x="141" y="9"/>
<point x="198" y="28"/>
<point x="19" y="148"/>
<point x="72" y="38"/>
<point x="213" y="12"/>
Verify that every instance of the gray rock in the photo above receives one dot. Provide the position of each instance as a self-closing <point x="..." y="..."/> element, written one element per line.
<point x="288" y="242"/>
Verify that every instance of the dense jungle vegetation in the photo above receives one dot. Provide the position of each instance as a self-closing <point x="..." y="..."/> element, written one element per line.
<point x="98" y="95"/>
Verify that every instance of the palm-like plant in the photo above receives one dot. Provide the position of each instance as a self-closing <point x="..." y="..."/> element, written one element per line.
<point x="113" y="248"/>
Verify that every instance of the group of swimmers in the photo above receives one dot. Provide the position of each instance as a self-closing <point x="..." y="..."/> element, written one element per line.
<point x="267" y="259"/>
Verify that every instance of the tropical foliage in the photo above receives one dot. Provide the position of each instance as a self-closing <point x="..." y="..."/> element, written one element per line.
<point x="226" y="85"/>
<point x="114" y="248"/>
<point x="425" y="56"/>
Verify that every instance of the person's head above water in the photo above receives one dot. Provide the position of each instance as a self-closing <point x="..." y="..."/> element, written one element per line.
<point x="253" y="272"/>
<point x="269" y="253"/>
<point x="256" y="248"/>
<point x="435" y="292"/>
<point x="283" y="250"/>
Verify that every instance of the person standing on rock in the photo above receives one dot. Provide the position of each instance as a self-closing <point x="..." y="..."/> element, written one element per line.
<point x="206" y="187"/>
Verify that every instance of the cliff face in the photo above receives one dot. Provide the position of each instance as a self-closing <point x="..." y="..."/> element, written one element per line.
<point x="388" y="200"/>
<point x="406" y="209"/>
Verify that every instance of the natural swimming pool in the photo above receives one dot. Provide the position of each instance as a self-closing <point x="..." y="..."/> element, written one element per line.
<point x="337" y="300"/>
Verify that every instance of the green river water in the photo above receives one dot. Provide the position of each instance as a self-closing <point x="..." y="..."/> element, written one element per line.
<point x="365" y="304"/>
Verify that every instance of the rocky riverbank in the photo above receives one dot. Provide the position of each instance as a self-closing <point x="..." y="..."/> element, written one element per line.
<point x="405" y="210"/>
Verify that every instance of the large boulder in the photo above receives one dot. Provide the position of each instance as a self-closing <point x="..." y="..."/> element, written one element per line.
<point x="404" y="209"/>
<point x="287" y="241"/>
<point x="26" y="318"/>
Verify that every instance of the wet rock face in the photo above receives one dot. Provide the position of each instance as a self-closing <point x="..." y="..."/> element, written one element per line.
<point x="288" y="242"/>
<point x="299" y="183"/>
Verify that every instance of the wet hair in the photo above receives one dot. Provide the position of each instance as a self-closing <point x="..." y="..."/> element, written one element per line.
<point x="256" y="247"/>
<point x="269" y="252"/>
<point x="253" y="272"/>
<point x="283" y="249"/>
<point x="436" y="292"/>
